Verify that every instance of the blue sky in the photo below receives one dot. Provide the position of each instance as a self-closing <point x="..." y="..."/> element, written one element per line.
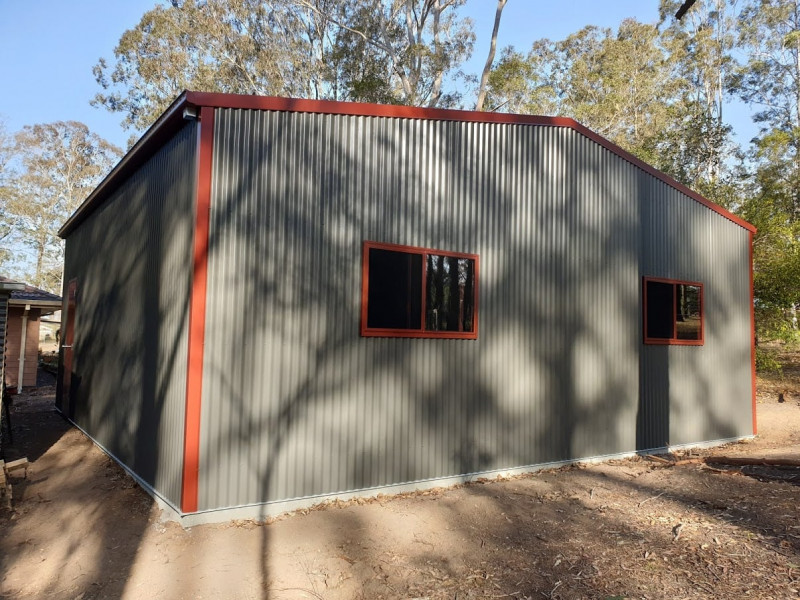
<point x="48" y="49"/>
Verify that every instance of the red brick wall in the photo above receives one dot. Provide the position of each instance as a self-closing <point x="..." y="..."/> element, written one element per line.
<point x="13" y="334"/>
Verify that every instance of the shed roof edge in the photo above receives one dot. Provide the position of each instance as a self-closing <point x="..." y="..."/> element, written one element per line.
<point x="172" y="117"/>
<point x="145" y="147"/>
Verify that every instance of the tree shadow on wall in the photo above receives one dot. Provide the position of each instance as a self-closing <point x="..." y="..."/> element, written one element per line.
<point x="132" y="261"/>
<point x="301" y="405"/>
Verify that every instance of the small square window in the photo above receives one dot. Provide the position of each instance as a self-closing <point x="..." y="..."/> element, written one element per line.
<point x="417" y="292"/>
<point x="673" y="312"/>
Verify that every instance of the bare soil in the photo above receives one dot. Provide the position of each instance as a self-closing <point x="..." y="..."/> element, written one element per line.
<point x="80" y="529"/>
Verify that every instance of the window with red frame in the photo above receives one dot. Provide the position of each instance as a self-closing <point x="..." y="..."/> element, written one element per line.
<point x="673" y="312"/>
<point x="418" y="292"/>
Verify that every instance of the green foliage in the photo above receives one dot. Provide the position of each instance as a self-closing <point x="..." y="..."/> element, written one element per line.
<point x="769" y="79"/>
<point x="767" y="361"/>
<point x="7" y="195"/>
<point x="660" y="93"/>
<point x="629" y="85"/>
<point x="768" y="34"/>
<point x="379" y="51"/>
<point x="657" y="91"/>
<point x="360" y="67"/>
<point x="775" y="323"/>
<point x="56" y="165"/>
<point x="517" y="83"/>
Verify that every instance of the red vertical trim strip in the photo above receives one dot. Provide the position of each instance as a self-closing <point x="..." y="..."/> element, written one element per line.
<point x="703" y="314"/>
<point x="752" y="337"/>
<point x="364" y="286"/>
<point x="475" y="311"/>
<point x="197" y="315"/>
<point x="644" y="308"/>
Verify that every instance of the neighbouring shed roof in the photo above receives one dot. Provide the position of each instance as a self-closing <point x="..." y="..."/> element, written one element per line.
<point x="7" y="286"/>
<point x="171" y="121"/>
<point x="22" y="293"/>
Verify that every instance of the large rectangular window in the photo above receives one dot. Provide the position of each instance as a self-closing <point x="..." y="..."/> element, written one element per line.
<point x="673" y="312"/>
<point x="417" y="292"/>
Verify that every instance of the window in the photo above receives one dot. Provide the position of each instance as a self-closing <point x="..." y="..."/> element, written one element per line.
<point x="416" y="292"/>
<point x="673" y="312"/>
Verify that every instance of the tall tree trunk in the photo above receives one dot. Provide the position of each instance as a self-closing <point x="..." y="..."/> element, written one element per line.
<point x="436" y="91"/>
<point x="490" y="59"/>
<point x="40" y="248"/>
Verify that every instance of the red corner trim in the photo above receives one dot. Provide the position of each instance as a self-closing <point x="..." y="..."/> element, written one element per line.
<point x="219" y="100"/>
<point x="197" y="315"/>
<point x="752" y="337"/>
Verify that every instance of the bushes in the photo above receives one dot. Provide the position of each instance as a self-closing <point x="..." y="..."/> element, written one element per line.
<point x="767" y="361"/>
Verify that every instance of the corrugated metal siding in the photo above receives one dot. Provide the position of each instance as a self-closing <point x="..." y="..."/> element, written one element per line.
<point x="296" y="403"/>
<point x="132" y="260"/>
<point x="692" y="393"/>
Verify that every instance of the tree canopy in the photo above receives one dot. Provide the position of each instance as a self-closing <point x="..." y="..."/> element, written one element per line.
<point x="49" y="171"/>
<point x="660" y="93"/>
<point x="391" y="51"/>
<point x="659" y="90"/>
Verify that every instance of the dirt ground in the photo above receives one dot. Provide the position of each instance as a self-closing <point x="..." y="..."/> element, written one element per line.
<point x="80" y="529"/>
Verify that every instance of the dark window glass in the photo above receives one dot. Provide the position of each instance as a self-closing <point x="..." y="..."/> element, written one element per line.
<point x="659" y="310"/>
<point x="415" y="292"/>
<point x="673" y="312"/>
<point x="395" y="290"/>
<point x="449" y="293"/>
<point x="687" y="302"/>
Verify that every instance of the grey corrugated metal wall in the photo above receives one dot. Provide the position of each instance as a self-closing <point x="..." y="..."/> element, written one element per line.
<point x="692" y="393"/>
<point x="296" y="403"/>
<point x="132" y="259"/>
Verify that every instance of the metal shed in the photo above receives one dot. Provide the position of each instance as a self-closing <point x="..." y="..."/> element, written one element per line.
<point x="269" y="302"/>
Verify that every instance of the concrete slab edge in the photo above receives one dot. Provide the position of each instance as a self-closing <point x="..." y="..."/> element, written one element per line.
<point x="266" y="510"/>
<point x="165" y="505"/>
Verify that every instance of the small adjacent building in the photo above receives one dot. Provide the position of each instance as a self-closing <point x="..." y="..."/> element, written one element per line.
<point x="25" y="307"/>
<point x="269" y="302"/>
<point x="6" y="287"/>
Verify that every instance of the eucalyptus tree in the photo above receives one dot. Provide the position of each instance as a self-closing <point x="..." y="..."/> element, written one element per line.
<point x="398" y="51"/>
<point x="769" y="80"/>
<point x="57" y="166"/>
<point x="697" y="147"/>
<point x="6" y="193"/>
<point x="617" y="83"/>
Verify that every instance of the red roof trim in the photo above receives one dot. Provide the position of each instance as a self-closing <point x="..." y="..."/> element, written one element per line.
<point x="439" y="114"/>
<point x="171" y="120"/>
<point x="147" y="145"/>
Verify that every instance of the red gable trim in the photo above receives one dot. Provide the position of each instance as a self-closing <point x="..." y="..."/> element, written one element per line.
<point x="171" y="121"/>
<point x="440" y="114"/>
<point x="155" y="137"/>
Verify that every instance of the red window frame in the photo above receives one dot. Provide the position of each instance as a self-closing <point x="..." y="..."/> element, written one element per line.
<point x="673" y="341"/>
<point x="421" y="332"/>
